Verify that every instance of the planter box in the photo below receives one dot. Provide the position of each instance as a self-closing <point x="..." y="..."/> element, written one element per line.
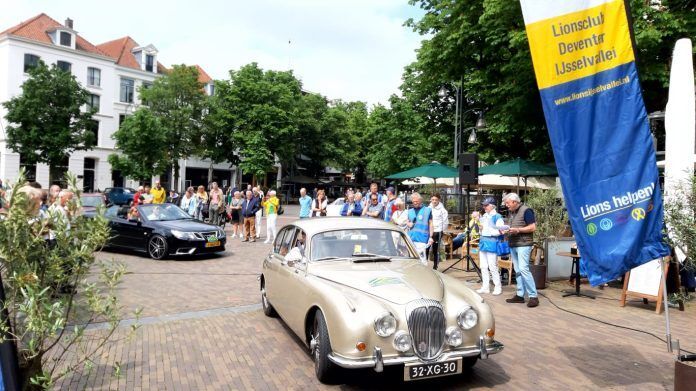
<point x="684" y="376"/>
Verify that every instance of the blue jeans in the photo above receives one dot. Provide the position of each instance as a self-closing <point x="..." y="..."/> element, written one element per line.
<point x="523" y="277"/>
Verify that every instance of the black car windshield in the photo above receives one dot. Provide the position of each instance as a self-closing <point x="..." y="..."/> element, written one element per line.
<point x="355" y="243"/>
<point x="92" y="201"/>
<point x="163" y="212"/>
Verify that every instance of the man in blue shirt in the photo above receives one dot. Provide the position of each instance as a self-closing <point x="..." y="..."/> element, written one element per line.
<point x="249" y="208"/>
<point x="305" y="204"/>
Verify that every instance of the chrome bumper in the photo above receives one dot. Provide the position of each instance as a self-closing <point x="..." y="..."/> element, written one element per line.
<point x="378" y="362"/>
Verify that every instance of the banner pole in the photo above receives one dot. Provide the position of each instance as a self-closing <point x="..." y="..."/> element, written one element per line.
<point x="668" y="330"/>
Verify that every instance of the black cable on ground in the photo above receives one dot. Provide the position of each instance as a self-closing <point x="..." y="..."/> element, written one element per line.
<point x="608" y="323"/>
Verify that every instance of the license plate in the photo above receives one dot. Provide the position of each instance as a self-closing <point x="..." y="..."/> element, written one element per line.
<point x="212" y="244"/>
<point x="212" y="238"/>
<point x="426" y="371"/>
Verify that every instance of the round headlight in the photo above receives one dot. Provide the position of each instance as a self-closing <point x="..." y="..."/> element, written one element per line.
<point x="402" y="341"/>
<point x="454" y="336"/>
<point x="467" y="318"/>
<point x="385" y="325"/>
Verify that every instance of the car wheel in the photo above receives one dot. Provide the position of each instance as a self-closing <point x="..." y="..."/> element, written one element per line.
<point x="157" y="247"/>
<point x="268" y="309"/>
<point x="320" y="345"/>
<point x="469" y="362"/>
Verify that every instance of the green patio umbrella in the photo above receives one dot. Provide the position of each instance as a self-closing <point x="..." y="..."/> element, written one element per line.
<point x="520" y="168"/>
<point x="431" y="170"/>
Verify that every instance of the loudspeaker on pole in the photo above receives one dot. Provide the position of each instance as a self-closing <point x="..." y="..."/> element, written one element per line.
<point x="468" y="168"/>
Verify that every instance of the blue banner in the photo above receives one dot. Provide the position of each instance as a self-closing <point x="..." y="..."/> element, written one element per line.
<point x="585" y="68"/>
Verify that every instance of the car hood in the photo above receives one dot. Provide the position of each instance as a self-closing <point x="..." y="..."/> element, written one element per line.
<point x="186" y="225"/>
<point x="398" y="281"/>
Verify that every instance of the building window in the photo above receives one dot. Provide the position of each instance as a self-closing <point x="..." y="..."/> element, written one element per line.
<point x="127" y="88"/>
<point x="149" y="62"/>
<point x="93" y="102"/>
<point x="65" y="38"/>
<point x="121" y="118"/>
<point x="212" y="89"/>
<point x="64" y="66"/>
<point x="145" y="86"/>
<point x="93" y="77"/>
<point x="30" y="61"/>
<point x="56" y="174"/>
<point x="29" y="169"/>
<point x="93" y="128"/>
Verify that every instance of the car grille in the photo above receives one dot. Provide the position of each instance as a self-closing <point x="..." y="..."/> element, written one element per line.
<point x="205" y="235"/>
<point x="426" y="323"/>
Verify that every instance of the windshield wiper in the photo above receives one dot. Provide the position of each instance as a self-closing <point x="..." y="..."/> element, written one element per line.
<point x="369" y="257"/>
<point x="328" y="258"/>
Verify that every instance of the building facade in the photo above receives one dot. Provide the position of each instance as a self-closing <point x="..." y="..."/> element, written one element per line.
<point x="112" y="72"/>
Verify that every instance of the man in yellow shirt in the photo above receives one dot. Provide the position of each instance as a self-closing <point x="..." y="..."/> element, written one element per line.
<point x="158" y="194"/>
<point x="271" y="204"/>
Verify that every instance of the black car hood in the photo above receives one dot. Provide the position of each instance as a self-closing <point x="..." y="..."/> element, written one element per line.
<point x="186" y="225"/>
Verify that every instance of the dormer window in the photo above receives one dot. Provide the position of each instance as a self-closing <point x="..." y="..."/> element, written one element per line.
<point x="65" y="39"/>
<point x="149" y="62"/>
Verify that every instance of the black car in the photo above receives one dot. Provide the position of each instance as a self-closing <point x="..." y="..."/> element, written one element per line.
<point x="162" y="230"/>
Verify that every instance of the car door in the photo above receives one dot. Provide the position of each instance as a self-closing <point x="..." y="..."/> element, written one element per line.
<point x="272" y="263"/>
<point x="284" y="284"/>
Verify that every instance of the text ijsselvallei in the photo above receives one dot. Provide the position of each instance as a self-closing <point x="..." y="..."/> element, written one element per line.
<point x="587" y="23"/>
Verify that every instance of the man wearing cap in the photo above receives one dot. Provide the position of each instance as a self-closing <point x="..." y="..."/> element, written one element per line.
<point x="522" y="226"/>
<point x="491" y="226"/>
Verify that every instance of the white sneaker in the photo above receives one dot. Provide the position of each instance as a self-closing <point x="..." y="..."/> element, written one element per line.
<point x="241" y="236"/>
<point x="481" y="290"/>
<point x="498" y="290"/>
<point x="266" y="242"/>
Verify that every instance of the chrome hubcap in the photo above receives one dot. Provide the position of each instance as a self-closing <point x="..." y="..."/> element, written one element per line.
<point x="157" y="246"/>
<point x="264" y="300"/>
<point x="315" y="342"/>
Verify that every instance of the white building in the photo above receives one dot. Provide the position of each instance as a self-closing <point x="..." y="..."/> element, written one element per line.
<point x="112" y="72"/>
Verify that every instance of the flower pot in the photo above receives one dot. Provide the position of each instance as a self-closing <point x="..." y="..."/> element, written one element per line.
<point x="684" y="375"/>
<point x="539" y="274"/>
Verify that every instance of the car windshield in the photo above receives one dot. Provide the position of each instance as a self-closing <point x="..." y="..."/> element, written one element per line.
<point x="163" y="212"/>
<point x="92" y="201"/>
<point x="360" y="243"/>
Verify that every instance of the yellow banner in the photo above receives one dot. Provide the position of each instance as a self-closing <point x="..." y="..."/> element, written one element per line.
<point x="580" y="44"/>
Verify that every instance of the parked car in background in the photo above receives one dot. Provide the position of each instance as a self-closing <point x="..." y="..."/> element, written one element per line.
<point x="162" y="230"/>
<point x="334" y="208"/>
<point x="357" y="294"/>
<point x="91" y="201"/>
<point x="119" y="195"/>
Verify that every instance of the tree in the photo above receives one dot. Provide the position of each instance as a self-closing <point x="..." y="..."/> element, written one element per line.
<point x="51" y="298"/>
<point x="178" y="100"/>
<point x="46" y="122"/>
<point x="262" y="113"/>
<point x="140" y="139"/>
<point x="219" y="141"/>
<point x="396" y="138"/>
<point x="482" y="46"/>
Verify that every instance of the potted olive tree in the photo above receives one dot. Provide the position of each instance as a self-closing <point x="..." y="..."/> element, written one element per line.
<point x="680" y="218"/>
<point x="550" y="223"/>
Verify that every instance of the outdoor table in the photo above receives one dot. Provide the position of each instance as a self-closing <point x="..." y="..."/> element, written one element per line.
<point x="576" y="266"/>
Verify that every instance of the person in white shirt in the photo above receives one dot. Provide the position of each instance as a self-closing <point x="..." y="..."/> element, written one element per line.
<point x="259" y="214"/>
<point x="440" y="223"/>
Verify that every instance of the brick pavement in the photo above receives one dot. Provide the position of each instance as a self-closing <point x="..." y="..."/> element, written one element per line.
<point x="204" y="332"/>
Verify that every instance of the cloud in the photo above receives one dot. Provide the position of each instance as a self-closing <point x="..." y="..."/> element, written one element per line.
<point x="345" y="50"/>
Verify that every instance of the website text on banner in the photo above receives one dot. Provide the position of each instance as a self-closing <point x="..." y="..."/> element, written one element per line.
<point x="585" y="69"/>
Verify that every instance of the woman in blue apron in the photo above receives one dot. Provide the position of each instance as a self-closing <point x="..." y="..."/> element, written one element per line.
<point x="492" y="223"/>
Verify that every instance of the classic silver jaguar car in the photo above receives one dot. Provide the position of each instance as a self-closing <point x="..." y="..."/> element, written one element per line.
<point x="355" y="291"/>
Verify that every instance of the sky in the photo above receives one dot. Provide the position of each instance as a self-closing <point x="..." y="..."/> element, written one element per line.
<point x="349" y="50"/>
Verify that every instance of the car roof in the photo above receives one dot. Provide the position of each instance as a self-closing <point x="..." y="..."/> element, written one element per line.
<point x="322" y="224"/>
<point x="91" y="195"/>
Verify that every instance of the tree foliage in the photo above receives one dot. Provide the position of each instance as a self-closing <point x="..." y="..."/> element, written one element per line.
<point x="481" y="46"/>
<point x="141" y="138"/>
<point x="46" y="122"/>
<point x="178" y="100"/>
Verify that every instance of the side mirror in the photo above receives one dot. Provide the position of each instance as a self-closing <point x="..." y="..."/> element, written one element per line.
<point x="293" y="257"/>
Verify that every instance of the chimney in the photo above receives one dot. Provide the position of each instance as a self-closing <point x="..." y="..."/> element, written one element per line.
<point x="69" y="23"/>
